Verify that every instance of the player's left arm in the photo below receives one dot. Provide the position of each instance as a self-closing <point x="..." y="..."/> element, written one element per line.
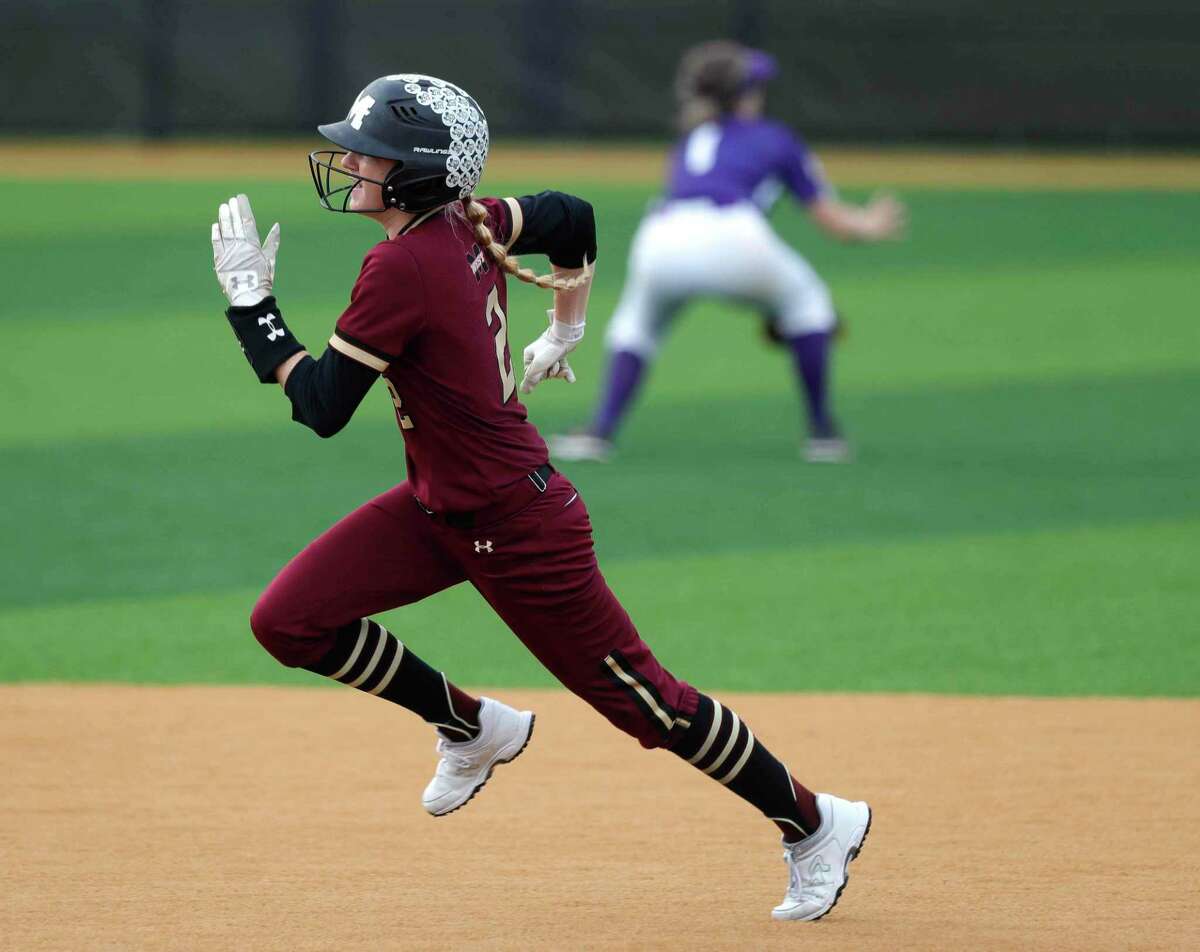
<point x="562" y="227"/>
<point x="324" y="393"/>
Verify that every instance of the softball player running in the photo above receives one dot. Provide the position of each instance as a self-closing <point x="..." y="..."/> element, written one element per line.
<point x="710" y="237"/>
<point x="481" y="504"/>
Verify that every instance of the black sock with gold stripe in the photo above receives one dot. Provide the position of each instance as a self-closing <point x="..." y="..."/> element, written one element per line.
<point x="718" y="742"/>
<point x="367" y="656"/>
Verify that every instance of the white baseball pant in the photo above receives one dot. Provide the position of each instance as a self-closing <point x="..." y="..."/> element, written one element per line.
<point x="694" y="248"/>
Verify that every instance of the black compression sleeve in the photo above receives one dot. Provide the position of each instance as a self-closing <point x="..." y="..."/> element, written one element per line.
<point x="326" y="392"/>
<point x="560" y="226"/>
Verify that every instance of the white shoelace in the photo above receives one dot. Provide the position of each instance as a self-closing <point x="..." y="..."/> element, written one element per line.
<point x="453" y="759"/>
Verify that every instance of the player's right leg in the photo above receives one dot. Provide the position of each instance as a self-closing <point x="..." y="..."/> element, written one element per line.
<point x="822" y="833"/>
<point x="316" y="613"/>
<point x="541" y="577"/>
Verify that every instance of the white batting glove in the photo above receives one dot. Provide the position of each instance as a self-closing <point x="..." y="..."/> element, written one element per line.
<point x="245" y="270"/>
<point x="546" y="357"/>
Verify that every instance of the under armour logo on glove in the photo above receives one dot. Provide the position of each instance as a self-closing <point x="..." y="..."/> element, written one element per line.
<point x="483" y="546"/>
<point x="273" y="332"/>
<point x="242" y="281"/>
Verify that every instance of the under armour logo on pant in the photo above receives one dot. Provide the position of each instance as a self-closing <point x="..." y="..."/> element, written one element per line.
<point x="273" y="332"/>
<point x="483" y="546"/>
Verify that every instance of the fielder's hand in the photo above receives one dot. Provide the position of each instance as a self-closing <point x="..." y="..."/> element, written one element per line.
<point x="546" y="357"/>
<point x="245" y="270"/>
<point x="884" y="217"/>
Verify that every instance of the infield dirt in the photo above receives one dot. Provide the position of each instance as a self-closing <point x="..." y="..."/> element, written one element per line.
<point x="274" y="818"/>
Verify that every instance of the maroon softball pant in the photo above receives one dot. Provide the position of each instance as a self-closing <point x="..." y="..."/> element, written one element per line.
<point x="536" y="568"/>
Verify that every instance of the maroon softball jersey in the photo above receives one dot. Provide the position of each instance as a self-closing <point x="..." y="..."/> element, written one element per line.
<point x="429" y="312"/>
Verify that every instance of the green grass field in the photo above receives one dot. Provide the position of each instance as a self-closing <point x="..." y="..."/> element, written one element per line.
<point x="1021" y="378"/>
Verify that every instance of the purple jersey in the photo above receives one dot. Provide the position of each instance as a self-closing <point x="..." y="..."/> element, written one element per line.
<point x="428" y="313"/>
<point x="738" y="160"/>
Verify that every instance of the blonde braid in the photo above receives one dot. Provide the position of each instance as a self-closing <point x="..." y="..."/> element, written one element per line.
<point x="477" y="215"/>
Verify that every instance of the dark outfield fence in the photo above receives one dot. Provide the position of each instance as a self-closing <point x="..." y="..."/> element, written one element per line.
<point x="1107" y="71"/>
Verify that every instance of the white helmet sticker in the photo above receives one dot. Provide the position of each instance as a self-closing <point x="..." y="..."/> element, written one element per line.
<point x="360" y="110"/>
<point x="468" y="128"/>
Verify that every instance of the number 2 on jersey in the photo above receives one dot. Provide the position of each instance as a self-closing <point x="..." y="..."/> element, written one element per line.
<point x="402" y="418"/>
<point x="508" y="378"/>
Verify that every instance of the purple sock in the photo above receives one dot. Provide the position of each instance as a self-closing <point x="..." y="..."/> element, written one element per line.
<point x="810" y="353"/>
<point x="625" y="370"/>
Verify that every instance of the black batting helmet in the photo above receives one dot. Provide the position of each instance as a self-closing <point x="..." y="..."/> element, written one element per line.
<point x="436" y="133"/>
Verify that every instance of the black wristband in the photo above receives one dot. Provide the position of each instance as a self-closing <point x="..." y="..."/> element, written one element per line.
<point x="265" y="339"/>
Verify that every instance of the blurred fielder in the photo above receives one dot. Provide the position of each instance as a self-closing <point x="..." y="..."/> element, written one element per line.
<point x="710" y="237"/>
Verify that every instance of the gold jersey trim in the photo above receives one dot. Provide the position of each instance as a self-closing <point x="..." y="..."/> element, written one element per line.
<point x="357" y="353"/>
<point x="518" y="220"/>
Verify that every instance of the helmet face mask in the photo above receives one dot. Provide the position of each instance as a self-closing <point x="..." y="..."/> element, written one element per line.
<point x="434" y="132"/>
<point x="335" y="184"/>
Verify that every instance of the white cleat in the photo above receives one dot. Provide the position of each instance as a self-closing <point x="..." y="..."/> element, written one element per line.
<point x="817" y="865"/>
<point x="574" y="447"/>
<point x="466" y="765"/>
<point x="831" y="449"/>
